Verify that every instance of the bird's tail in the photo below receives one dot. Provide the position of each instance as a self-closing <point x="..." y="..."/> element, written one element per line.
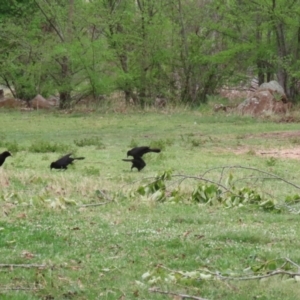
<point x="154" y="150"/>
<point x="127" y="159"/>
<point x="79" y="158"/>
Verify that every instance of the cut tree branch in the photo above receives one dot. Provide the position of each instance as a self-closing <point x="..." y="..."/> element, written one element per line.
<point x="276" y="272"/>
<point x="23" y="266"/>
<point x="50" y="22"/>
<point x="95" y="204"/>
<point x="183" y="296"/>
<point x="18" y="289"/>
<point x="253" y="169"/>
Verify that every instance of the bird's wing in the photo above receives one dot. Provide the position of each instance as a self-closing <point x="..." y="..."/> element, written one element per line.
<point x="64" y="158"/>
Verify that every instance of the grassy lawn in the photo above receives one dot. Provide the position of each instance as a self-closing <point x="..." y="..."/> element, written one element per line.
<point x="122" y="248"/>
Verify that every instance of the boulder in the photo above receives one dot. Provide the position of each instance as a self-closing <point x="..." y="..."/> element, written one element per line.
<point x="272" y="85"/>
<point x="264" y="102"/>
<point x="53" y="100"/>
<point x="39" y="102"/>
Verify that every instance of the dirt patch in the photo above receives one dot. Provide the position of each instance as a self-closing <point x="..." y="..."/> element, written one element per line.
<point x="277" y="135"/>
<point x="291" y="153"/>
<point x="288" y="119"/>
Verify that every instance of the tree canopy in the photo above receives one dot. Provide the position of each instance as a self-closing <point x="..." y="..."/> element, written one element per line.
<point x="183" y="50"/>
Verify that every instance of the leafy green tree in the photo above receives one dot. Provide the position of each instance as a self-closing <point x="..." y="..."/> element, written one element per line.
<point x="182" y="50"/>
<point x="266" y="34"/>
<point x="16" y="52"/>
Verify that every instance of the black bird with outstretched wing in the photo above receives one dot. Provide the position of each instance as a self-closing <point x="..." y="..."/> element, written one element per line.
<point x="64" y="161"/>
<point x="140" y="151"/>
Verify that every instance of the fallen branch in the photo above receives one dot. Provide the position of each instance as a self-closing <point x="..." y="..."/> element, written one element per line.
<point x="105" y="196"/>
<point x="203" y="179"/>
<point x="261" y="276"/>
<point x="292" y="262"/>
<point x="183" y="296"/>
<point x="23" y="266"/>
<point x="276" y="272"/>
<point x="253" y="169"/>
<point x="269" y="174"/>
<point x="95" y="204"/>
<point x="276" y="152"/>
<point x="100" y="203"/>
<point x="18" y="289"/>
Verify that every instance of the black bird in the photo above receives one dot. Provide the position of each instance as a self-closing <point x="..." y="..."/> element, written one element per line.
<point x="63" y="162"/>
<point x="140" y="151"/>
<point x="3" y="156"/>
<point x="137" y="162"/>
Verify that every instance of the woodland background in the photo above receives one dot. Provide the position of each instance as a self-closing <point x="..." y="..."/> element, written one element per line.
<point x="182" y="50"/>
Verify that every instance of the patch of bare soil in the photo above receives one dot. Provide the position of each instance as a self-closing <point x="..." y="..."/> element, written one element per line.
<point x="291" y="153"/>
<point x="277" y="135"/>
<point x="289" y="119"/>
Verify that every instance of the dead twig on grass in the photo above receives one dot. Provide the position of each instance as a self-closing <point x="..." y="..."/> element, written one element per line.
<point x="18" y="289"/>
<point x="292" y="262"/>
<point x="23" y="266"/>
<point x="276" y="272"/>
<point x="95" y="204"/>
<point x="253" y="169"/>
<point x="183" y="296"/>
<point x="184" y="177"/>
<point x="103" y="195"/>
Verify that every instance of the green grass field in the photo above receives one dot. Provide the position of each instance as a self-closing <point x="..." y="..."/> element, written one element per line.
<point x="132" y="243"/>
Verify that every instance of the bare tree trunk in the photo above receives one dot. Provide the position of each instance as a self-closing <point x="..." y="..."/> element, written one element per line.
<point x="282" y="75"/>
<point x="121" y="51"/>
<point x="293" y="89"/>
<point x="65" y="93"/>
<point x="142" y="89"/>
<point x="127" y="89"/>
<point x="259" y="63"/>
<point x="186" y="92"/>
<point x="64" y="79"/>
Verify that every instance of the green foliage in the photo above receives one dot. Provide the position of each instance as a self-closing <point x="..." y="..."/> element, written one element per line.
<point x="190" y="139"/>
<point x="90" y="141"/>
<point x="161" y="143"/>
<point x="186" y="62"/>
<point x="13" y="147"/>
<point x="133" y="143"/>
<point x="210" y="194"/>
<point x="156" y="189"/>
<point x="91" y="171"/>
<point x="42" y="146"/>
<point x="271" y="162"/>
<point x="294" y="199"/>
<point x="258" y="267"/>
